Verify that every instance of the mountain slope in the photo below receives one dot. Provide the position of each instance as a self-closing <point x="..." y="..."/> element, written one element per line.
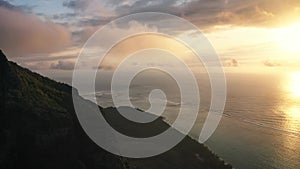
<point x="39" y="130"/>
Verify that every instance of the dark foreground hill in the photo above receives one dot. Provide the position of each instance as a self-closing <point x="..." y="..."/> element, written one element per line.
<point x="39" y="130"/>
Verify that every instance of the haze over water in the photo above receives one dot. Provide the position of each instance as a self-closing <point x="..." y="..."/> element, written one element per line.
<point x="260" y="127"/>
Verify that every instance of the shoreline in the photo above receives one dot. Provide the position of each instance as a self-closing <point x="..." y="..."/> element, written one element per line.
<point x="189" y="137"/>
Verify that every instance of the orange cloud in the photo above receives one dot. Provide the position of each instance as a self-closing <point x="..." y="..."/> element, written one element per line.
<point x="22" y="33"/>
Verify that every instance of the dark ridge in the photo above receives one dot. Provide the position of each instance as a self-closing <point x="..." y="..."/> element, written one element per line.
<point x="39" y="129"/>
<point x="3" y="62"/>
<point x="2" y="56"/>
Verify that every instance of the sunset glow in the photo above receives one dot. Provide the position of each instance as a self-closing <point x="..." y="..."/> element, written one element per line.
<point x="288" y="38"/>
<point x="150" y="84"/>
<point x="294" y="84"/>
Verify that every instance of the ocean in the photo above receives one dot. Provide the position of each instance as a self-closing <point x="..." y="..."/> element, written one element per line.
<point x="260" y="126"/>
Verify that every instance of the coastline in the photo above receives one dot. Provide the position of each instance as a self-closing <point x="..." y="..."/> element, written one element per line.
<point x="189" y="147"/>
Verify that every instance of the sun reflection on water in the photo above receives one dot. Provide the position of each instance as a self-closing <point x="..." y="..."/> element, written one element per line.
<point x="293" y="118"/>
<point x="292" y="102"/>
<point x="291" y="109"/>
<point x="292" y="125"/>
<point x="294" y="84"/>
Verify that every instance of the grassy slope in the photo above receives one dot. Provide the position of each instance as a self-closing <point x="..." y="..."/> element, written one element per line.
<point x="39" y="129"/>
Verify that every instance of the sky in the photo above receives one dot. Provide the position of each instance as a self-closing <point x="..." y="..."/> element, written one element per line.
<point x="49" y="34"/>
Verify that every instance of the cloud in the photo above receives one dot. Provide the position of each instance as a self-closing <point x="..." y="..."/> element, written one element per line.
<point x="115" y="31"/>
<point x="5" y="4"/>
<point x="105" y="67"/>
<point x="36" y="65"/>
<point x="89" y="15"/>
<point x="147" y="6"/>
<point x="206" y="13"/>
<point x="89" y="7"/>
<point x="94" y="21"/>
<point x="231" y="63"/>
<point x="269" y="63"/>
<point x="44" y="65"/>
<point x="63" y="16"/>
<point x="76" y="4"/>
<point x="63" y="65"/>
<point x="22" y="33"/>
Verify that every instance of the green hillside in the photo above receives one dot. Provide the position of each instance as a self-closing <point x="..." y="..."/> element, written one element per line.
<point x="39" y="130"/>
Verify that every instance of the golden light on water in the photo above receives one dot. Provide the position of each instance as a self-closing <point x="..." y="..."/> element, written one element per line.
<point x="294" y="84"/>
<point x="294" y="112"/>
<point x="293" y="118"/>
<point x="292" y="102"/>
<point x="292" y="125"/>
<point x="291" y="107"/>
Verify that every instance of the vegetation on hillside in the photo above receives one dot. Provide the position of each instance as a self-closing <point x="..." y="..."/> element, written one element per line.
<point x="39" y="130"/>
